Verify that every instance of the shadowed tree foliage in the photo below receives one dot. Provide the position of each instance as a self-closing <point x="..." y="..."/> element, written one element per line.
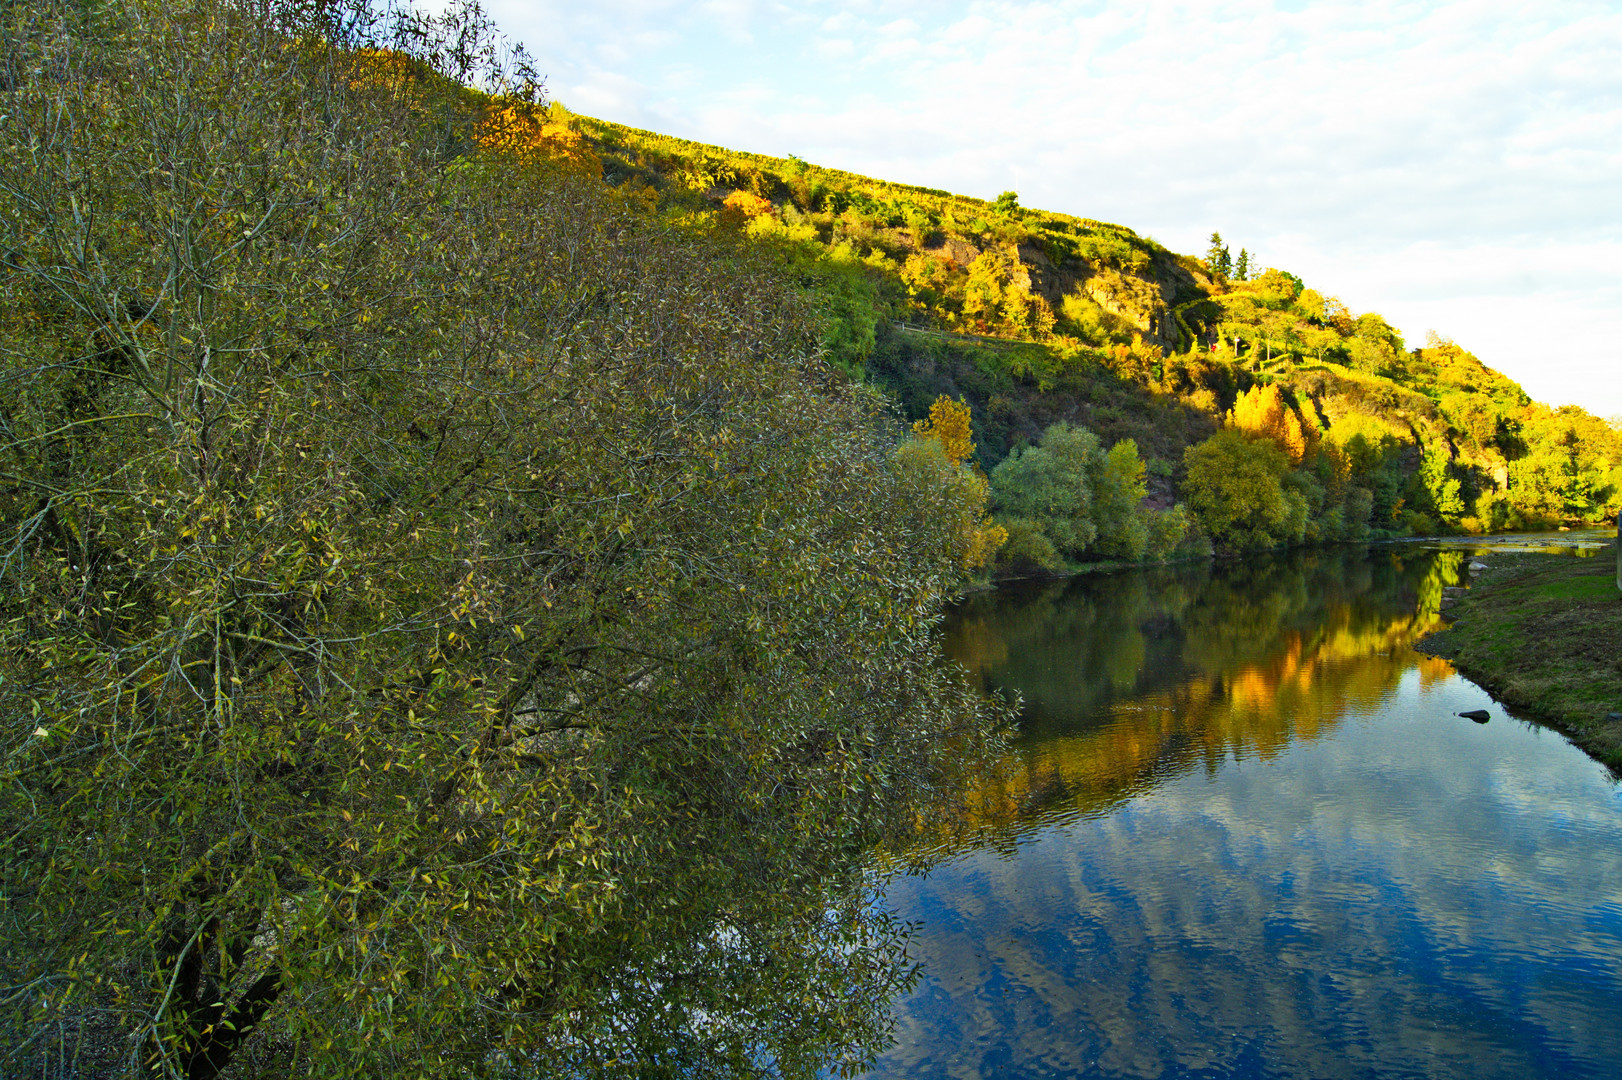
<point x="448" y="625"/>
<point x="1069" y="497"/>
<point x="1052" y="484"/>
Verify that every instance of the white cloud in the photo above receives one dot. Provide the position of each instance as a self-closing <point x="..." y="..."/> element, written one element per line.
<point x="1442" y="162"/>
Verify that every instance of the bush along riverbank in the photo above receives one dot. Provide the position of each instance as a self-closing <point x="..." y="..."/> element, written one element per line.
<point x="1543" y="634"/>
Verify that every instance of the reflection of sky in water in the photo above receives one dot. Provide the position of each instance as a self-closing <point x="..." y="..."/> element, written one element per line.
<point x="1400" y="893"/>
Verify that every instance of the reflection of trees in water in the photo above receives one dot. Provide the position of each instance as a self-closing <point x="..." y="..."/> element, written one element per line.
<point x="1069" y="646"/>
<point x="1133" y="678"/>
<point x="1447" y="568"/>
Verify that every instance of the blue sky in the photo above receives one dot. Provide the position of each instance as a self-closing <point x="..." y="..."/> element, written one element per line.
<point x="1453" y="166"/>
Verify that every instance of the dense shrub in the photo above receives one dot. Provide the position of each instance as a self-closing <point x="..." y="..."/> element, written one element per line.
<point x="449" y="620"/>
<point x="1235" y="488"/>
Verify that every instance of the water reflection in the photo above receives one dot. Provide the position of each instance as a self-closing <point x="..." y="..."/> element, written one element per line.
<point x="1583" y="543"/>
<point x="1244" y="834"/>
<point x="1130" y="678"/>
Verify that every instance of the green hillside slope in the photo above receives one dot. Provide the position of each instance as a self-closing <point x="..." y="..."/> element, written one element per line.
<point x="1036" y="318"/>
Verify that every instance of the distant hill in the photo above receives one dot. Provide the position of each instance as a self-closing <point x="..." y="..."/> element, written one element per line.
<point x="1035" y="317"/>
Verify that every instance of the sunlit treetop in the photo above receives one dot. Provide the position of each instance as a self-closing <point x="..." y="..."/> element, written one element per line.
<point x="948" y="424"/>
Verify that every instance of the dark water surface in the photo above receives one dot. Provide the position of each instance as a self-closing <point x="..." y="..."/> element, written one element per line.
<point x="1244" y="834"/>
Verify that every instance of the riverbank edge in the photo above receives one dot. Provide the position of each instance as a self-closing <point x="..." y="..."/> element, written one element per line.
<point x="1110" y="566"/>
<point x="1542" y="633"/>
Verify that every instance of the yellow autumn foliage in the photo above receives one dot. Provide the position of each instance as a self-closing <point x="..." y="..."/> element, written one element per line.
<point x="1262" y="412"/>
<point x="948" y="424"/>
<point x="940" y="449"/>
<point x="743" y="206"/>
<point x="983" y="545"/>
<point x="528" y="131"/>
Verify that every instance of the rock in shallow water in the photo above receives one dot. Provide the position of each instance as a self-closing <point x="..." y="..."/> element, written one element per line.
<point x="1480" y="716"/>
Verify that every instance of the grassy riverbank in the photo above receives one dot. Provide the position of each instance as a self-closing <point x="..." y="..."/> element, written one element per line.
<point x="1543" y="634"/>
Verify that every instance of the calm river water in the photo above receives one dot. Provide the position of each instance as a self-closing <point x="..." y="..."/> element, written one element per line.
<point x="1245" y="834"/>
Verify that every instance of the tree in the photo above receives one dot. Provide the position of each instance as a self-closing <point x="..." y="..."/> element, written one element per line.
<point x="997" y="297"/>
<point x="1217" y="257"/>
<point x="1376" y="345"/>
<point x="1234" y="490"/>
<point x="1261" y="412"/>
<point x="925" y="463"/>
<point x="1319" y="341"/>
<point x="949" y="423"/>
<point x="1007" y="203"/>
<point x="986" y="288"/>
<point x="1569" y="471"/>
<point x="742" y="206"/>
<point x="1027" y="548"/>
<point x="1052" y="484"/>
<point x="1241" y="269"/>
<point x="1118" y="489"/>
<point x="1310" y="305"/>
<point x="1442" y="488"/>
<point x="1085" y="501"/>
<point x="446" y="622"/>
<point x="939" y="452"/>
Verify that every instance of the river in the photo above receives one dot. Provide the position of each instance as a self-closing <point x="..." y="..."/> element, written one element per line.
<point x="1244" y="832"/>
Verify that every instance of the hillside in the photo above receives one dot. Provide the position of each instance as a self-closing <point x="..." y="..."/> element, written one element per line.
<point x="1035" y="318"/>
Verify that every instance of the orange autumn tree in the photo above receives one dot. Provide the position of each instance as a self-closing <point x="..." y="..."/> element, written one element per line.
<point x="1261" y="412"/>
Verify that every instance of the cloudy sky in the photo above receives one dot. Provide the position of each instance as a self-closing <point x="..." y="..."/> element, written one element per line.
<point x="1453" y="166"/>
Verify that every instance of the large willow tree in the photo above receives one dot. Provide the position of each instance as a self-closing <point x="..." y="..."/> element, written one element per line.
<point x="448" y="625"/>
